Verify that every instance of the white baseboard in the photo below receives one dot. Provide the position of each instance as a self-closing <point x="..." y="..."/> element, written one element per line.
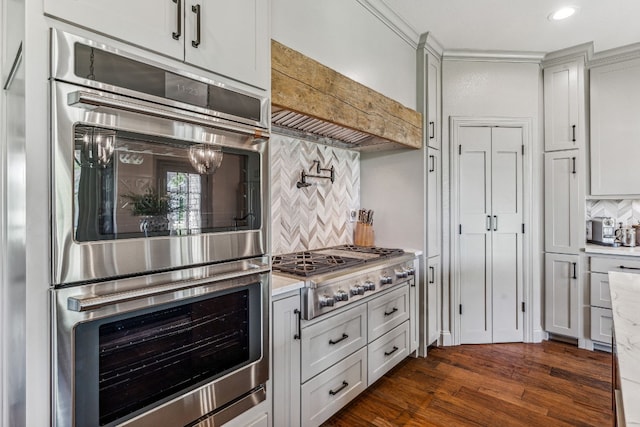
<point x="446" y="339"/>
<point x="539" y="335"/>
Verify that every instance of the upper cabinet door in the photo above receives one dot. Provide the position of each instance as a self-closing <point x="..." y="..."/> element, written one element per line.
<point x="152" y="24"/>
<point x="433" y="102"/>
<point x="615" y="128"/>
<point x="230" y="38"/>
<point x="564" y="123"/>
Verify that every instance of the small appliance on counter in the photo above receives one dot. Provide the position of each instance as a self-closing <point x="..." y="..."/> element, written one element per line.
<point x="603" y="232"/>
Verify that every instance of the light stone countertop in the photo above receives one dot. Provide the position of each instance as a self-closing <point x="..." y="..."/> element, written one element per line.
<point x="284" y="284"/>
<point x="625" y="301"/>
<point x="591" y="249"/>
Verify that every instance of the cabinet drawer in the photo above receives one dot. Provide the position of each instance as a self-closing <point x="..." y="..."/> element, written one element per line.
<point x="328" y="341"/>
<point x="604" y="265"/>
<point x="601" y="324"/>
<point x="387" y="351"/>
<point x="388" y="311"/>
<point x="600" y="295"/>
<point x="325" y="394"/>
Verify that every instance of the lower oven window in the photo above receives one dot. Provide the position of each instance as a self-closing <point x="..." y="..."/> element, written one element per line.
<point x="144" y="359"/>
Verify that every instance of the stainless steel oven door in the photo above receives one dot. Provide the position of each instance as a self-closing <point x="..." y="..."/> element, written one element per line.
<point x="140" y="187"/>
<point x="165" y="349"/>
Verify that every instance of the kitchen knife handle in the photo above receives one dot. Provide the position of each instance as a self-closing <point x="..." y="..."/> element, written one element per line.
<point x="176" y="34"/>
<point x="196" y="9"/>
<point x="495" y="223"/>
<point x="575" y="273"/>
<point x="432" y="163"/>
<point x="573" y="159"/>
<point x="573" y="129"/>
<point x="432" y="130"/>
<point x="298" y="314"/>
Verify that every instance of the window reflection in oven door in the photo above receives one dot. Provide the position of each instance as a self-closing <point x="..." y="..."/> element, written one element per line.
<point x="168" y="353"/>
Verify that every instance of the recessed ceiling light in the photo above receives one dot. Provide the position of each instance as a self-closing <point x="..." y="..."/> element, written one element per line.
<point x="563" y="13"/>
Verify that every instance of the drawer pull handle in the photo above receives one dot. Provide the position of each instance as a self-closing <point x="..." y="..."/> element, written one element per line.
<point x="575" y="276"/>
<point x="342" y="338"/>
<point x="339" y="389"/>
<point x="389" y="313"/>
<point x="389" y="353"/>
<point x="629" y="268"/>
<point x="196" y="9"/>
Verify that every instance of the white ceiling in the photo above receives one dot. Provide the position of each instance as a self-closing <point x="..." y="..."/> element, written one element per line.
<point x="522" y="25"/>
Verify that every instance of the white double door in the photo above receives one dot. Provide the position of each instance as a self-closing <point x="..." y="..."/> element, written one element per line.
<point x="490" y="235"/>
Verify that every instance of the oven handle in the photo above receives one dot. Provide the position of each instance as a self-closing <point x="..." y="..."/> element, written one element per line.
<point x="91" y="100"/>
<point x="93" y="302"/>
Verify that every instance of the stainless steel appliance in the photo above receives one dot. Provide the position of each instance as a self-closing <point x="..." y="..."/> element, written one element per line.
<point x="153" y="168"/>
<point x="167" y="349"/>
<point x="337" y="276"/>
<point x="603" y="231"/>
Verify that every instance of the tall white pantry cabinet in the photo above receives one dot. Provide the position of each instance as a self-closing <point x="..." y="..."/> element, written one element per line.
<point x="429" y="86"/>
<point x="564" y="183"/>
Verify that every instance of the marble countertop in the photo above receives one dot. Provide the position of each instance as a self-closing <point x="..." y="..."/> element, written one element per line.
<point x="590" y="248"/>
<point x="284" y="284"/>
<point x="625" y="300"/>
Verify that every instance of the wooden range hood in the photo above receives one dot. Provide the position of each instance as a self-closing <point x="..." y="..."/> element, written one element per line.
<point x="310" y="99"/>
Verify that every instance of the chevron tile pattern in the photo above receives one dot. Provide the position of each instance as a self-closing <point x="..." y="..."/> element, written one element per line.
<point x="316" y="216"/>
<point x="625" y="211"/>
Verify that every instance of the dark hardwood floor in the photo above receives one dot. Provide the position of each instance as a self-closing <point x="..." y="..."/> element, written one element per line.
<point x="548" y="384"/>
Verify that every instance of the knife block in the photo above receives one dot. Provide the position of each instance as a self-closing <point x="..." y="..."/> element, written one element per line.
<point x="363" y="235"/>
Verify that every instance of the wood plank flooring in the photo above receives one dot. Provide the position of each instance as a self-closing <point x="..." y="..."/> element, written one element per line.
<point x="547" y="384"/>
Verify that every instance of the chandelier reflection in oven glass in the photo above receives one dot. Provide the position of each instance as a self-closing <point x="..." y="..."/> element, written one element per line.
<point x="94" y="146"/>
<point x="205" y="158"/>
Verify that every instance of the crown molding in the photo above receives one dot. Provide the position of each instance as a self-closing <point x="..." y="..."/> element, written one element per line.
<point x="492" y="56"/>
<point x="430" y="43"/>
<point x="390" y="18"/>
<point x="623" y="53"/>
<point x="581" y="52"/>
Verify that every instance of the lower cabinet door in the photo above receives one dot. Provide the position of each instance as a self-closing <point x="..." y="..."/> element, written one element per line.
<point x="601" y="324"/>
<point x="325" y="394"/>
<point x="388" y="311"/>
<point x="387" y="351"/>
<point x="332" y="338"/>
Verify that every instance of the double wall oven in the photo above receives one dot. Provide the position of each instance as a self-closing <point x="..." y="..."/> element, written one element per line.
<point x="160" y="270"/>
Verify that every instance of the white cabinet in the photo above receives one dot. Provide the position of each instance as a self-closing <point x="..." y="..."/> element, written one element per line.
<point x="601" y="325"/>
<point x="489" y="244"/>
<point x="433" y="287"/>
<point x="564" y="106"/>
<point x="615" y="128"/>
<point x="564" y="206"/>
<point x="230" y="38"/>
<point x="330" y="339"/>
<point x="385" y="352"/>
<point x="429" y="90"/>
<point x="326" y="393"/>
<point x="434" y="203"/>
<point x="414" y="310"/>
<point x="285" y="360"/>
<point x="387" y="311"/>
<point x="562" y="291"/>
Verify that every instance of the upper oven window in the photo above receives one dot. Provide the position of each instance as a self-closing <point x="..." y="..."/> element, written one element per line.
<point x="131" y="185"/>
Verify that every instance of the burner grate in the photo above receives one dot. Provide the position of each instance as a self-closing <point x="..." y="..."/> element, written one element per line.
<point x="309" y="263"/>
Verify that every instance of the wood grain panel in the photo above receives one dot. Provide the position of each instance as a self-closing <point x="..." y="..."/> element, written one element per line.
<point x="303" y="85"/>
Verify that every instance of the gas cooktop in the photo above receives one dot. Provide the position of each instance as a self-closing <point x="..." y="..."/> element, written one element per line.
<point x="319" y="261"/>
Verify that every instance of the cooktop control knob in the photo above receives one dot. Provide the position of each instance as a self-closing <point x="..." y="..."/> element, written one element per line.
<point x="327" y="301"/>
<point x="357" y="290"/>
<point x="410" y="271"/>
<point x="369" y="286"/>
<point x="402" y="274"/>
<point x="341" y="295"/>
<point x="386" y="280"/>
